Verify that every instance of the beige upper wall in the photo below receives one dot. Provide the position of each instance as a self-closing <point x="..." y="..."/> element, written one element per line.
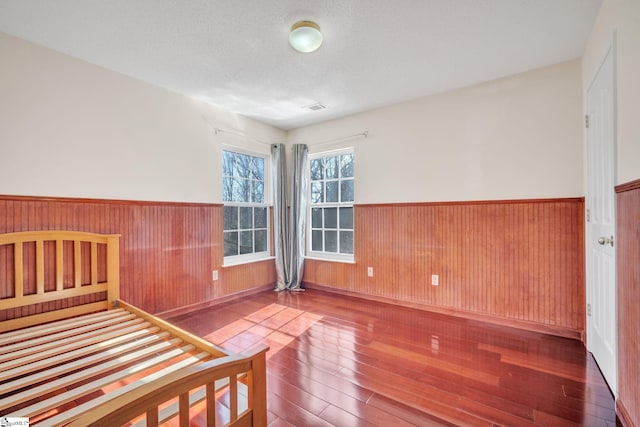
<point x="513" y="138"/>
<point x="622" y="18"/>
<point x="72" y="129"/>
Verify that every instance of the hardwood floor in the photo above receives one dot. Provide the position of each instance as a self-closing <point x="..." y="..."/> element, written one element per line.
<point x="343" y="361"/>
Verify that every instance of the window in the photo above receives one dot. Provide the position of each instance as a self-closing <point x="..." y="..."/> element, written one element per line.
<point x="331" y="205"/>
<point x="245" y="216"/>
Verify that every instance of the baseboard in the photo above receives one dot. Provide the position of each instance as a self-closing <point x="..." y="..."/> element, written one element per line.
<point x="623" y="415"/>
<point x="210" y="303"/>
<point x="518" y="324"/>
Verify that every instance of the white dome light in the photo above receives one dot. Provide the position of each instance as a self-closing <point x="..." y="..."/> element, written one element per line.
<point x="305" y="36"/>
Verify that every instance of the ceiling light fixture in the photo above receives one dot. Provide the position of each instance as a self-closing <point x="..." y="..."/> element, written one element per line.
<point x="305" y="36"/>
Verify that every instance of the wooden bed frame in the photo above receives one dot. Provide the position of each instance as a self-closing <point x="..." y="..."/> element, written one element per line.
<point x="72" y="353"/>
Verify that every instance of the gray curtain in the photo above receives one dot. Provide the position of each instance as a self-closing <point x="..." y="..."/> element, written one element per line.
<point x="289" y="236"/>
<point x="280" y="224"/>
<point x="298" y="214"/>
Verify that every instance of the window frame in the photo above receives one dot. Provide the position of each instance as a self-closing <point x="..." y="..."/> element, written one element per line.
<point x="323" y="255"/>
<point x="231" y="260"/>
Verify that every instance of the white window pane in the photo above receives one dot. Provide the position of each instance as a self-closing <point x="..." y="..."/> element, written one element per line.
<point x="227" y="189"/>
<point x="332" y="191"/>
<point x="317" y="192"/>
<point x="316" y="218"/>
<point x="228" y="161"/>
<point x="346" y="166"/>
<point x="331" y="218"/>
<point x="258" y="192"/>
<point x="331" y="167"/>
<point x="230" y="243"/>
<point x="246" y="242"/>
<point x="260" y="241"/>
<point x="258" y="168"/>
<point x="241" y="190"/>
<point x="346" y="218"/>
<point x="346" y="242"/>
<point x="346" y="190"/>
<point x="246" y="218"/>
<point x="260" y="217"/>
<point x="316" y="240"/>
<point x="243" y="165"/>
<point x="230" y="217"/>
<point x="331" y="241"/>
<point x="317" y="170"/>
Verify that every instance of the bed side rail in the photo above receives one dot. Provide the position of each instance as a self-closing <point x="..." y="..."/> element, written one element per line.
<point x="195" y="340"/>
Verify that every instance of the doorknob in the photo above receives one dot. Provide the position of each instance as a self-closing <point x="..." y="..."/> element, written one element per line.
<point x="606" y="240"/>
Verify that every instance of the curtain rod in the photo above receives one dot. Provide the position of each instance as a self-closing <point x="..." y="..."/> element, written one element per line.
<point x="364" y="134"/>
<point x="240" y="134"/>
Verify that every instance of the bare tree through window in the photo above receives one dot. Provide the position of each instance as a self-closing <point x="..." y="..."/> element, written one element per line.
<point x="332" y="194"/>
<point x="245" y="222"/>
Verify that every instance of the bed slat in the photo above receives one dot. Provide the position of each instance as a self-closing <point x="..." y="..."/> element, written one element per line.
<point x="86" y="374"/>
<point x="233" y="398"/>
<point x="41" y="318"/>
<point x="77" y="264"/>
<point x="52" y="337"/>
<point x="18" y="265"/>
<point x="86" y="407"/>
<point x="59" y="265"/>
<point x="152" y="418"/>
<point x="39" y="269"/>
<point x="119" y="352"/>
<point x="210" y="397"/>
<point x="34" y="331"/>
<point x="183" y="409"/>
<point x="47" y="388"/>
<point x="73" y="349"/>
<point x="94" y="263"/>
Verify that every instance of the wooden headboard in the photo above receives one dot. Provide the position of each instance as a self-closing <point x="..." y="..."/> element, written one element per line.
<point x="51" y="275"/>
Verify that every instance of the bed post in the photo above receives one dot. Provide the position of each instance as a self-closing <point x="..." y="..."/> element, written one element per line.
<point x="258" y="388"/>
<point x="113" y="270"/>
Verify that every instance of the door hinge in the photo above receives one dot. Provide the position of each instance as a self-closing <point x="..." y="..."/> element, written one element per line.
<point x="588" y="309"/>
<point x="586" y="121"/>
<point x="588" y="215"/>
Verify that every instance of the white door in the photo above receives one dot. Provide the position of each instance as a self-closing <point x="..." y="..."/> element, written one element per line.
<point x="601" y="217"/>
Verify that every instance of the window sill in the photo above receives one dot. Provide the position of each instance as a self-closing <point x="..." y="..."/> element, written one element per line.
<point x="235" y="262"/>
<point x="340" y="260"/>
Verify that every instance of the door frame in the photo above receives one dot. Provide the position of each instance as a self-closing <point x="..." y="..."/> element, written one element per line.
<point x="609" y="49"/>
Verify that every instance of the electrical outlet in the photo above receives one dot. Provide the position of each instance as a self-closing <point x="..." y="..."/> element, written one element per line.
<point x="435" y="279"/>
<point x="435" y="343"/>
<point x="370" y="271"/>
<point x="214" y="275"/>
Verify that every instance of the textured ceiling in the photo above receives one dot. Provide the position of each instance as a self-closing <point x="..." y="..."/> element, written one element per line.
<point x="235" y="54"/>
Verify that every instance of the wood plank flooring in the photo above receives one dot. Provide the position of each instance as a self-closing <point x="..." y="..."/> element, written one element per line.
<point x="343" y="361"/>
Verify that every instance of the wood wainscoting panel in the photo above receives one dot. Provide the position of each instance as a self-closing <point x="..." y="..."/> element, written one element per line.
<point x="628" y="255"/>
<point x="518" y="262"/>
<point x="167" y="250"/>
<point x="259" y="274"/>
